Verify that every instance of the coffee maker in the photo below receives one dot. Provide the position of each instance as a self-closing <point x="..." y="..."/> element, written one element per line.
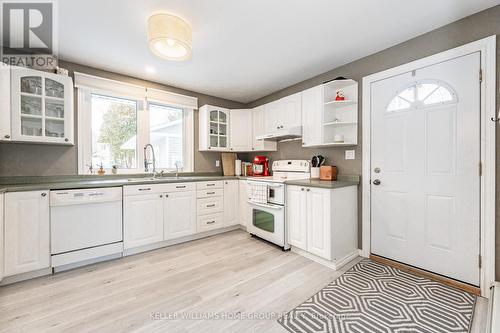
<point x="261" y="166"/>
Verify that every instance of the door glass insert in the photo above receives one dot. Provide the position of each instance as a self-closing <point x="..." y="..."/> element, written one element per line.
<point x="213" y="116"/>
<point x="54" y="128"/>
<point x="263" y="220"/>
<point x="31" y="85"/>
<point x="222" y="117"/>
<point x="213" y="141"/>
<point x="222" y="129"/>
<point x="214" y="129"/>
<point x="222" y="141"/>
<point x="422" y="94"/>
<point x="54" y="89"/>
<point x="54" y="108"/>
<point x="31" y="126"/>
<point x="31" y="105"/>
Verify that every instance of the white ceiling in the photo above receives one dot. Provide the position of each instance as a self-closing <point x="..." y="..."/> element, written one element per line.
<point x="244" y="50"/>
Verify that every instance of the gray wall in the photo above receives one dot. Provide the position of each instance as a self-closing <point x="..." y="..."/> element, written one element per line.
<point x="477" y="26"/>
<point x="18" y="159"/>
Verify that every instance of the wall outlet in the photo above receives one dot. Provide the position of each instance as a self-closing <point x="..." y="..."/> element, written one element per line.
<point x="217" y="163"/>
<point x="350" y="154"/>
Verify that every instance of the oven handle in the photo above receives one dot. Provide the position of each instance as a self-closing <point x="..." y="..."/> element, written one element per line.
<point x="266" y="206"/>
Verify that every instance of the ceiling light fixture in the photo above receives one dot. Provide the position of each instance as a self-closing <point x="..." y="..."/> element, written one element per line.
<point x="169" y="37"/>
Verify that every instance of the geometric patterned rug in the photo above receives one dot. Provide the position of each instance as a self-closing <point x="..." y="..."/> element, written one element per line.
<point x="373" y="298"/>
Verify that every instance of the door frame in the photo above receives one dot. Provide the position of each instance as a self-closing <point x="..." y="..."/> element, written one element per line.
<point x="487" y="49"/>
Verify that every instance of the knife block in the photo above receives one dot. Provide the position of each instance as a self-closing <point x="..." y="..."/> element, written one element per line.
<point x="328" y="172"/>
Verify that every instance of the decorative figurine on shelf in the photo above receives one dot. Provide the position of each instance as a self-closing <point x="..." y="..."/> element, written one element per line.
<point x="114" y="169"/>
<point x="101" y="170"/>
<point x="340" y="96"/>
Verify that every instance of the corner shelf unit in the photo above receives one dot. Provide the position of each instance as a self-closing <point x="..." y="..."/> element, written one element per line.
<point x="340" y="118"/>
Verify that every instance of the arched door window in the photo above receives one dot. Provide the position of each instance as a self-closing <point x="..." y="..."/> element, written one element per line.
<point x="422" y="94"/>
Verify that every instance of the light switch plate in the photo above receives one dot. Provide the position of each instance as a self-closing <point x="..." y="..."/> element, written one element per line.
<point x="217" y="163"/>
<point x="350" y="155"/>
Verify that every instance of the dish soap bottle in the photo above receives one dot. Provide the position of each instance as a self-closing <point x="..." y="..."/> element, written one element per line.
<point x="101" y="171"/>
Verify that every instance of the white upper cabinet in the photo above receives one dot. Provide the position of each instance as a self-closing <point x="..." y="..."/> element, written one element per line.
<point x="5" y="133"/>
<point x="312" y="116"/>
<point x="213" y="128"/>
<point x="41" y="107"/>
<point x="258" y="130"/>
<point x="283" y="113"/>
<point x="27" y="232"/>
<point x="291" y="107"/>
<point x="240" y="130"/>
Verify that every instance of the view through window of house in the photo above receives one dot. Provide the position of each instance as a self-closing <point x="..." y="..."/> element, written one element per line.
<point x="422" y="94"/>
<point x="166" y="129"/>
<point x="114" y="132"/>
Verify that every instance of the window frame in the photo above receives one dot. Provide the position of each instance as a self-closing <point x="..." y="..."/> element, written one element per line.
<point x="84" y="143"/>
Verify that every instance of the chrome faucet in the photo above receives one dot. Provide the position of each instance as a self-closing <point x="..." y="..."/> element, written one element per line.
<point x="146" y="161"/>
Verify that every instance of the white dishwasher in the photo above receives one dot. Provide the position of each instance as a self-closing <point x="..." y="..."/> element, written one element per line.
<point x="85" y="225"/>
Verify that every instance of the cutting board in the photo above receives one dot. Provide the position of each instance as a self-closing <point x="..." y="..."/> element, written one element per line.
<point x="228" y="160"/>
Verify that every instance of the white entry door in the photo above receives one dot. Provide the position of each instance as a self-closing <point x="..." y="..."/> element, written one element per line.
<point x="425" y="181"/>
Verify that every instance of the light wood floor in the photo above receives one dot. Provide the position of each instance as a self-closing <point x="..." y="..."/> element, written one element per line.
<point x="225" y="274"/>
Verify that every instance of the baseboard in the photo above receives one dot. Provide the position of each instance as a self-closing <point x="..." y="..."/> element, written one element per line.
<point x="337" y="264"/>
<point x="25" y="276"/>
<point x="159" y="245"/>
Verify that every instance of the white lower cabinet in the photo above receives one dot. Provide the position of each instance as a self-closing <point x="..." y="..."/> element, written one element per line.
<point x="27" y="232"/>
<point x="244" y="208"/>
<point x="323" y="222"/>
<point x="296" y="217"/>
<point x="142" y="220"/>
<point x="179" y="214"/>
<point x="1" y="237"/>
<point x="231" y="203"/>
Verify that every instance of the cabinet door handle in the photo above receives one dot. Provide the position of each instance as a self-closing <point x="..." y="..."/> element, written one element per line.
<point x="44" y="194"/>
<point x="7" y="136"/>
<point x="183" y="186"/>
<point x="302" y="189"/>
<point x="210" y="184"/>
<point x="308" y="190"/>
<point x="166" y="195"/>
<point x="210" y="192"/>
<point x="210" y="222"/>
<point x="66" y="139"/>
<point x="212" y="205"/>
<point x="145" y="189"/>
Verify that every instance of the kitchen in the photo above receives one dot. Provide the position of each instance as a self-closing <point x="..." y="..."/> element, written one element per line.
<point x="146" y="195"/>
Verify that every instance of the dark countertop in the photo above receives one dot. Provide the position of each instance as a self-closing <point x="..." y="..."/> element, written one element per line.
<point x="17" y="184"/>
<point x="74" y="182"/>
<point x="322" y="183"/>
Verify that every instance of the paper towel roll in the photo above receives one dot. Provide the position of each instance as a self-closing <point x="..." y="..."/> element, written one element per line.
<point x="237" y="167"/>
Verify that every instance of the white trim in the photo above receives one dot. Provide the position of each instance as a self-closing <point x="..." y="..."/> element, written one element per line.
<point x="170" y="98"/>
<point x="99" y="83"/>
<point x="487" y="48"/>
<point x="336" y="264"/>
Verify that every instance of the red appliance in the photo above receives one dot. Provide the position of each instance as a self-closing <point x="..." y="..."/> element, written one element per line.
<point x="261" y="166"/>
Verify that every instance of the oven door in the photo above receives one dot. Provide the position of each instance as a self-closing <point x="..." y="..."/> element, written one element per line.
<point x="267" y="221"/>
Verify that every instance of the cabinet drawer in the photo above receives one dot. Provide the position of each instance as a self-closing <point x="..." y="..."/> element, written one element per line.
<point x="176" y="187"/>
<point x="157" y="188"/>
<point x="209" y="193"/>
<point x="210" y="205"/>
<point x="209" y="185"/>
<point x="210" y="222"/>
<point x="142" y="189"/>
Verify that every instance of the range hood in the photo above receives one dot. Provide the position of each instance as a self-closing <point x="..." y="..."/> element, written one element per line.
<point x="287" y="133"/>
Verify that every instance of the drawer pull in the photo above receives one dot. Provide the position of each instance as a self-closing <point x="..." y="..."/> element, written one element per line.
<point x="210" y="184"/>
<point x="183" y="186"/>
<point x="145" y="189"/>
<point x="210" y="222"/>
<point x="210" y="192"/>
<point x="212" y="205"/>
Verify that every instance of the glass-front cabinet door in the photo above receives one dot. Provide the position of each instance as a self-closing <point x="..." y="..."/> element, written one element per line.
<point x="42" y="106"/>
<point x="218" y="129"/>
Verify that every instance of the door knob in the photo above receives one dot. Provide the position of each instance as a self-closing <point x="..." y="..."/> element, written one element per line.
<point x="376" y="182"/>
